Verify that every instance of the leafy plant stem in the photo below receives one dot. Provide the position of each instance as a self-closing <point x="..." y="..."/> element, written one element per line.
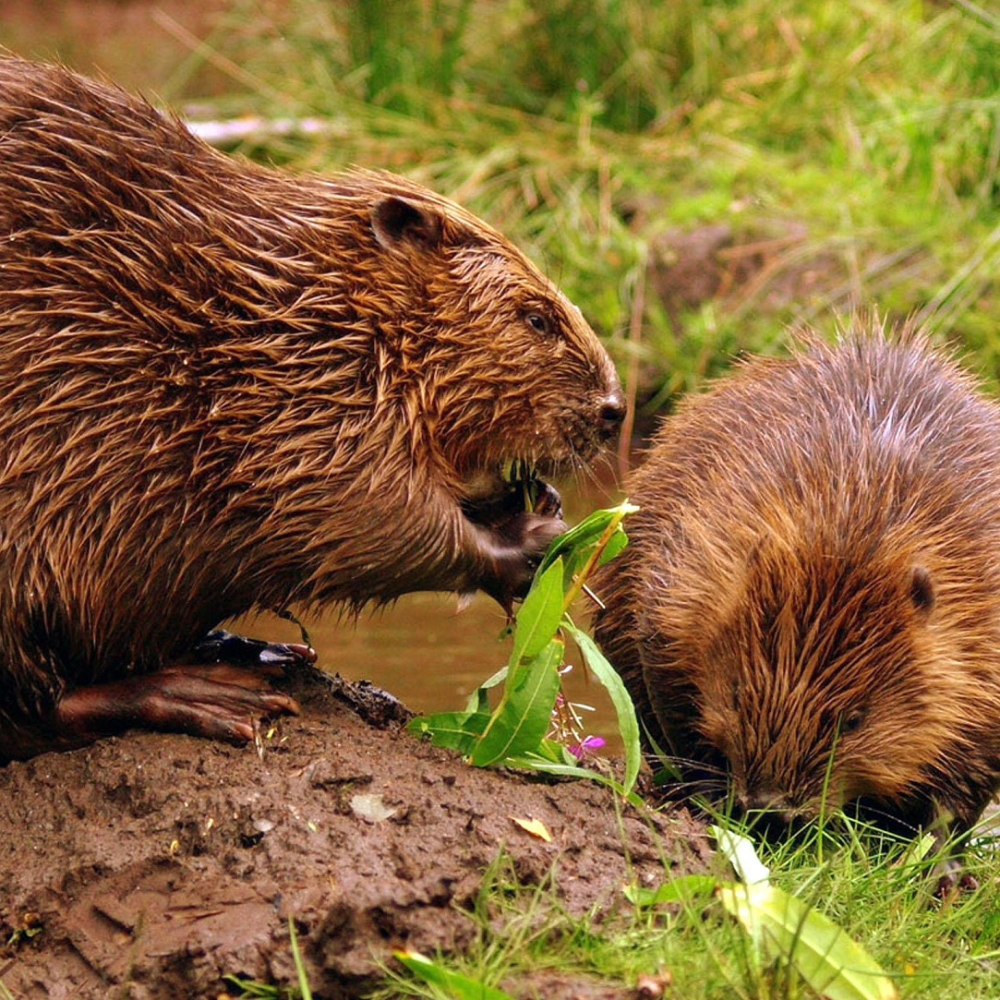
<point x="580" y="579"/>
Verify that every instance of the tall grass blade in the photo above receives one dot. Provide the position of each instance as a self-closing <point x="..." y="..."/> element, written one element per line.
<point x="453" y="984"/>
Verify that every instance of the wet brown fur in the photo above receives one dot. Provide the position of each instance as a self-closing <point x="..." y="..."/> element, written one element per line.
<point x="816" y="571"/>
<point x="223" y="387"/>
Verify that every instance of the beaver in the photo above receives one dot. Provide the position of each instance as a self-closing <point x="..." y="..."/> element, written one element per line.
<point x="810" y="605"/>
<point x="224" y="387"/>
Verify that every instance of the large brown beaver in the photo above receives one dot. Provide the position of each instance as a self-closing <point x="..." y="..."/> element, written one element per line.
<point x="811" y="600"/>
<point x="225" y="388"/>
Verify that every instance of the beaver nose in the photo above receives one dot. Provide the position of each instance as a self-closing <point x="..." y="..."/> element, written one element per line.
<point x="772" y="809"/>
<point x="612" y="413"/>
<point x="763" y="800"/>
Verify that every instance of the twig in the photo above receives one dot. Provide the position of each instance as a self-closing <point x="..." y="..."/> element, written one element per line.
<point x="632" y="372"/>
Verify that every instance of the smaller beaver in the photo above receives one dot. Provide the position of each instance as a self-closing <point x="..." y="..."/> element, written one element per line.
<point x="811" y="599"/>
<point x="226" y="388"/>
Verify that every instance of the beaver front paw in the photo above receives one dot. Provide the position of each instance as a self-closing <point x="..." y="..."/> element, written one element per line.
<point x="518" y="546"/>
<point x="512" y="531"/>
<point x="220" y="646"/>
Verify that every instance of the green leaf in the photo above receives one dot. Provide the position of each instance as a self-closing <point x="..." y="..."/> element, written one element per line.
<point x="628" y="724"/>
<point x="516" y="730"/>
<point x="529" y="761"/>
<point x="687" y="889"/>
<point x="553" y="752"/>
<point x="588" y="531"/>
<point x="479" y="700"/>
<point x="538" y="619"/>
<point x="524" y="715"/>
<point x="917" y="851"/>
<point x="455" y="985"/>
<point x="831" y="962"/>
<point x="615" y="547"/>
<point x="458" y="731"/>
<point x="741" y="854"/>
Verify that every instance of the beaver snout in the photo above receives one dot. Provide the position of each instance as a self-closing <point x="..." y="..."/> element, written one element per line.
<point x="766" y="799"/>
<point x="611" y="414"/>
<point x="770" y="811"/>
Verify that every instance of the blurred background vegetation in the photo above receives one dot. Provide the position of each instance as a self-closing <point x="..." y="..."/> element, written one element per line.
<point x="697" y="174"/>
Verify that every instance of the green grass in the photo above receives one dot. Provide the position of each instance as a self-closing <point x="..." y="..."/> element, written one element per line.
<point x="864" y="884"/>
<point x="857" y="140"/>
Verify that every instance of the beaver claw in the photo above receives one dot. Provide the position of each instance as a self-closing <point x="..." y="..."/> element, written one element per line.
<point x="220" y="646"/>
<point x="548" y="502"/>
<point x="953" y="881"/>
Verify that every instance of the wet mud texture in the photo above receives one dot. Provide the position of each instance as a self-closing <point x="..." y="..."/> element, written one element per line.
<point x="153" y="865"/>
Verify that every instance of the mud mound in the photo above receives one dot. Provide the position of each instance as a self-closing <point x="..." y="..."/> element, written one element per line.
<point x="153" y="865"/>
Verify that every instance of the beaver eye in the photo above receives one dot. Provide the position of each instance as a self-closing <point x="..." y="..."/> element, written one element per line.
<point x="538" y="322"/>
<point x="851" y="722"/>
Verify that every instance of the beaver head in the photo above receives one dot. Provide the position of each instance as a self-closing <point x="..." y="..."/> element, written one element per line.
<point x="495" y="365"/>
<point x="817" y="684"/>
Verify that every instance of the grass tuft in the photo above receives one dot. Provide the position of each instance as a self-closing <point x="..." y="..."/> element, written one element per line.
<point x="868" y="883"/>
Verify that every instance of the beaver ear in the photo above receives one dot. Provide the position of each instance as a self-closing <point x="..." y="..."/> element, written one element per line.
<point x="922" y="589"/>
<point x="395" y="220"/>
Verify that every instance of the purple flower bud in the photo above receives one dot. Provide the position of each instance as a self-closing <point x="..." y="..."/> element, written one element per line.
<point x="590" y="745"/>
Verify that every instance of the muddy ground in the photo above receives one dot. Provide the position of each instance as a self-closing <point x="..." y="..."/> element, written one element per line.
<point x="153" y="865"/>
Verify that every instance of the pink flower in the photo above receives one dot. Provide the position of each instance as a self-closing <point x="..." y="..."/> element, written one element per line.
<point x="590" y="745"/>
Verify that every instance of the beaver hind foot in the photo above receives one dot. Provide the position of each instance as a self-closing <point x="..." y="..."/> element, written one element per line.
<point x="216" y="701"/>
<point x="223" y="701"/>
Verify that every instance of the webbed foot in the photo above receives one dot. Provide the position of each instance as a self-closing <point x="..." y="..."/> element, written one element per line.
<point x="218" y="701"/>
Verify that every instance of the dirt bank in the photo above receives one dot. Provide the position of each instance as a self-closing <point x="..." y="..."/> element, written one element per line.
<point x="154" y="864"/>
